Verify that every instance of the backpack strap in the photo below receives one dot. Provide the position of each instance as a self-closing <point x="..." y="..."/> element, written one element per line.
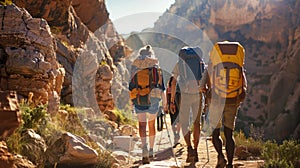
<point x="137" y="88"/>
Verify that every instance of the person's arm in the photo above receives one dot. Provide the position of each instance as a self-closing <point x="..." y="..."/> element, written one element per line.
<point x="173" y="83"/>
<point x="204" y="81"/>
<point x="164" y="100"/>
<point x="173" y="88"/>
<point x="163" y="93"/>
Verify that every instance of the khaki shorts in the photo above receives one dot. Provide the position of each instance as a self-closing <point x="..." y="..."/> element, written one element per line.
<point x="190" y="110"/>
<point x="229" y="116"/>
<point x="222" y="114"/>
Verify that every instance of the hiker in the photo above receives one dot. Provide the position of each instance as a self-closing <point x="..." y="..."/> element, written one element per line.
<point x="188" y="72"/>
<point x="224" y="82"/>
<point x="174" y="114"/>
<point x="146" y="90"/>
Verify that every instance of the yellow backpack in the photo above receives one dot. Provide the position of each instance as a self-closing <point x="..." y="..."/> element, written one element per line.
<point x="227" y="59"/>
<point x="5" y="2"/>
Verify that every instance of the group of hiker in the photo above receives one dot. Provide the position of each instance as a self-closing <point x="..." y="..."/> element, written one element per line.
<point x="220" y="85"/>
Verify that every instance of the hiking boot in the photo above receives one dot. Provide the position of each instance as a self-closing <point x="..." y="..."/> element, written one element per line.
<point x="221" y="162"/>
<point x="145" y="155"/>
<point x="151" y="155"/>
<point x="190" y="154"/>
<point x="196" y="159"/>
<point x="229" y="166"/>
<point x="145" y="160"/>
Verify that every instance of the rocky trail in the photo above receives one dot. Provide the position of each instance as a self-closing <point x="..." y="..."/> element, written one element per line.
<point x="164" y="157"/>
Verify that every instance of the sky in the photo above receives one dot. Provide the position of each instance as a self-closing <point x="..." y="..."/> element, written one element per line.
<point x="135" y="15"/>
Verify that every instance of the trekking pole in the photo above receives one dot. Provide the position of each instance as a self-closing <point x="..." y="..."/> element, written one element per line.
<point x="205" y="111"/>
<point x="170" y="139"/>
<point x="207" y="149"/>
<point x="130" y="136"/>
<point x="159" y="142"/>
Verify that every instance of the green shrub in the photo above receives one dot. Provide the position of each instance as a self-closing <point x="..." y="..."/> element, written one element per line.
<point x="50" y="127"/>
<point x="125" y="117"/>
<point x="278" y="163"/>
<point x="33" y="117"/>
<point x="285" y="155"/>
<point x="254" y="146"/>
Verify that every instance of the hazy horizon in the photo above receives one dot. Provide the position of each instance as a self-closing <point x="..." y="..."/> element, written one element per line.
<point x="133" y="15"/>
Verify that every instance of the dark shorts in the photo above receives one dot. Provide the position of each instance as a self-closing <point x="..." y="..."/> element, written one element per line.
<point x="174" y="117"/>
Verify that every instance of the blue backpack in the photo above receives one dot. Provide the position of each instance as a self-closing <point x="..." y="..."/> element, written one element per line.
<point x="191" y="67"/>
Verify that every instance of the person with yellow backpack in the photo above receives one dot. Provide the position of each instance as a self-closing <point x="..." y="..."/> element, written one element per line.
<point x="224" y="82"/>
<point x="147" y="89"/>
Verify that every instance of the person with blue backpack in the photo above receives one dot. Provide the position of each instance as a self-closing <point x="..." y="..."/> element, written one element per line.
<point x="188" y="72"/>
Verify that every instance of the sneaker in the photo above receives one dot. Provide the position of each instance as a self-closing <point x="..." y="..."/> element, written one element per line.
<point x="221" y="162"/>
<point x="190" y="154"/>
<point x="145" y="155"/>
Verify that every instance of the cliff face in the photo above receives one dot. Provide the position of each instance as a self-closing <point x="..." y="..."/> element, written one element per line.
<point x="82" y="46"/>
<point x="269" y="31"/>
<point x="28" y="62"/>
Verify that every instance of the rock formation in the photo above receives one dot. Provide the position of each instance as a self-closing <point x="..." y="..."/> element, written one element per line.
<point x="83" y="39"/>
<point x="28" y="60"/>
<point x="9" y="160"/>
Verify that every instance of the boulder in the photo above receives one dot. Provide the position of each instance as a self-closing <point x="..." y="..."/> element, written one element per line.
<point x="111" y="115"/>
<point x="125" y="143"/>
<point x="35" y="147"/>
<point x="71" y="150"/>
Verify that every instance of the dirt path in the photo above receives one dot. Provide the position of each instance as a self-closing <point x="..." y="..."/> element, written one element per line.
<point x="164" y="157"/>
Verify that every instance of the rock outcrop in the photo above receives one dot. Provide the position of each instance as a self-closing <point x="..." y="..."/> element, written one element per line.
<point x="83" y="39"/>
<point x="9" y="113"/>
<point x="269" y="31"/>
<point x="97" y="15"/>
<point x="9" y="160"/>
<point x="28" y="60"/>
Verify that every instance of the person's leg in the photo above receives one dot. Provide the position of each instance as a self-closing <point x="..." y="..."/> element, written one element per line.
<point x="230" y="145"/>
<point x="142" y="127"/>
<point x="142" y="132"/>
<point x="152" y="131"/>
<point x="230" y="113"/>
<point x="184" y="115"/>
<point x="175" y="125"/>
<point x="197" y="110"/>
<point x="217" y="142"/>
